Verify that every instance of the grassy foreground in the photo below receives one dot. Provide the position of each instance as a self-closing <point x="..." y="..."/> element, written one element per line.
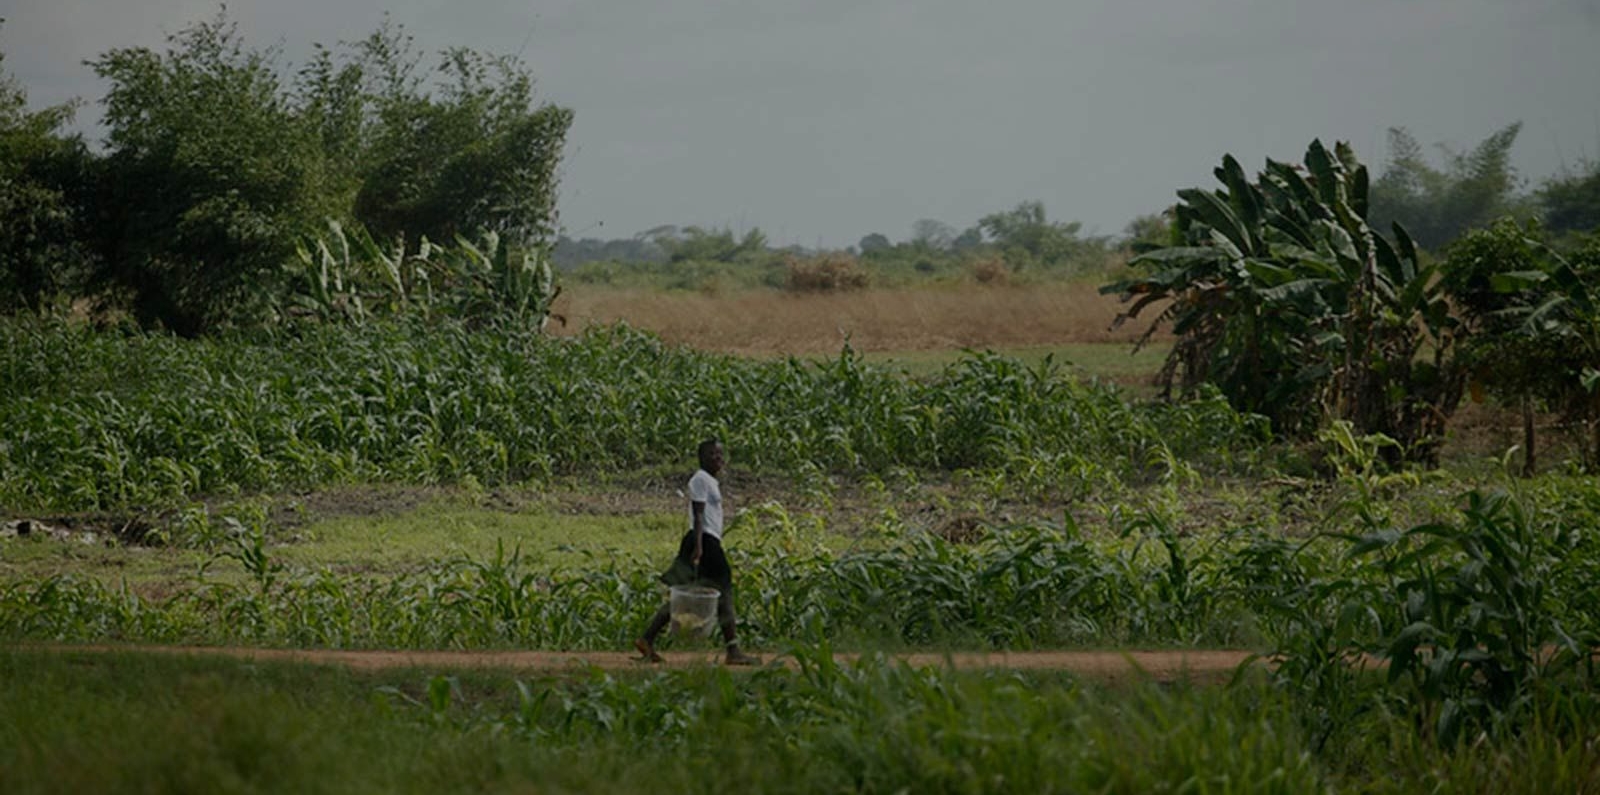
<point x="79" y="722"/>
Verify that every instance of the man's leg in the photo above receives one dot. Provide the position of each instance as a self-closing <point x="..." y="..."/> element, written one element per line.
<point x="729" y="622"/>
<point x="647" y="644"/>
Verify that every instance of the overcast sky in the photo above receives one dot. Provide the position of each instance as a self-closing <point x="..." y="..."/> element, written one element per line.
<point x="820" y="122"/>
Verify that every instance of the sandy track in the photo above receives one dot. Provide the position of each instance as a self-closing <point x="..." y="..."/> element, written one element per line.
<point x="1106" y="666"/>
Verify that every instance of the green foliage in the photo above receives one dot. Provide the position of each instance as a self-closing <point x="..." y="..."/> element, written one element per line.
<point x="1027" y="586"/>
<point x="476" y="155"/>
<point x="350" y="278"/>
<point x="96" y="419"/>
<point x="1570" y="202"/>
<point x="696" y="244"/>
<point x="1475" y="615"/>
<point x="1477" y="620"/>
<point x="869" y="726"/>
<point x="216" y="164"/>
<point x="1566" y="317"/>
<point x="209" y="178"/>
<point x="1283" y="296"/>
<point x="1023" y="242"/>
<point x="1437" y="206"/>
<point x="1535" y="314"/>
<point x="1501" y="359"/>
<point x="1503" y="579"/>
<point x="569" y="253"/>
<point x="1026" y="239"/>
<point x="44" y="179"/>
<point x="1147" y="233"/>
<point x="115" y="722"/>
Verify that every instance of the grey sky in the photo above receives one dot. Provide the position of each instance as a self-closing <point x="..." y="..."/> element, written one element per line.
<point x="823" y="121"/>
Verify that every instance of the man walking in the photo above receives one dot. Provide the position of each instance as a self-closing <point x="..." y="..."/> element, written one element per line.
<point x="700" y="558"/>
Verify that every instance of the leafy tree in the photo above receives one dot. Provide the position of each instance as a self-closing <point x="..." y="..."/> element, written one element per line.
<point x="1282" y="295"/>
<point x="1570" y="202"/>
<point x="696" y="244"/>
<point x="931" y="234"/>
<point x="874" y="242"/>
<point x="44" y="179"/>
<point x="1026" y="237"/>
<point x="216" y="165"/>
<point x="1437" y="205"/>
<point x="1500" y="358"/>
<point x="569" y="253"/>
<point x="1534" y="324"/>
<point x="210" y="178"/>
<point x="1147" y="233"/>
<point x="969" y="239"/>
<point x="477" y="154"/>
<point x="1563" y="317"/>
<point x="333" y="104"/>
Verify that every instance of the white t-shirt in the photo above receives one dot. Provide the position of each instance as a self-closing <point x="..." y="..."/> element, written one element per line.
<point x="704" y="488"/>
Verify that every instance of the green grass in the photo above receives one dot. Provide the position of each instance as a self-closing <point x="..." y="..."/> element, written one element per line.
<point x="128" y="722"/>
<point x="1114" y="362"/>
<point x="444" y="530"/>
<point x="451" y="527"/>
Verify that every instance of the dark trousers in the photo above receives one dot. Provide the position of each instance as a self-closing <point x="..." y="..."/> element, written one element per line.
<point x="712" y="571"/>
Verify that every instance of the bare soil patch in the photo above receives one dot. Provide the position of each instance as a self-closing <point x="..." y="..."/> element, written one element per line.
<point x="1108" y="666"/>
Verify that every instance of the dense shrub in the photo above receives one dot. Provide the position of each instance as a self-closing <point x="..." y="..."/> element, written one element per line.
<point x="824" y="273"/>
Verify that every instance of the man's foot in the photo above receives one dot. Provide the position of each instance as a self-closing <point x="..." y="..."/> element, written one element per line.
<point x="736" y="657"/>
<point x="647" y="651"/>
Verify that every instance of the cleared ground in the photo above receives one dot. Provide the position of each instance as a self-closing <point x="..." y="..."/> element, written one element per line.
<point x="1200" y="666"/>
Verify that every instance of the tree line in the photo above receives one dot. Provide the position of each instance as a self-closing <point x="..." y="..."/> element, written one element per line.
<point x="1471" y="189"/>
<point x="219" y="161"/>
<point x="1021" y="240"/>
<point x="1438" y="199"/>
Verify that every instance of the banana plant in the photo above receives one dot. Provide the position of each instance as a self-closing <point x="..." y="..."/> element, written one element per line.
<point x="348" y="276"/>
<point x="497" y="279"/>
<point x="327" y="274"/>
<point x="1282" y="295"/>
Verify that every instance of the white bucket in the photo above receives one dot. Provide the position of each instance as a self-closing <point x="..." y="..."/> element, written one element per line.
<point x="694" y="609"/>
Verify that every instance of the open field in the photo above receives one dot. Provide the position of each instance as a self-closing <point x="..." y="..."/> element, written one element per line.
<point x="766" y="322"/>
<point x="410" y="534"/>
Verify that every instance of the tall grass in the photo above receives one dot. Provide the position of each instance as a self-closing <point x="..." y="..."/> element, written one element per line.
<point x="124" y="723"/>
<point x="761" y="322"/>
<point x="121" y="724"/>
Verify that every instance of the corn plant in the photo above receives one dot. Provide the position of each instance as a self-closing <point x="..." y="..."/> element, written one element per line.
<point x="1475" y="614"/>
<point x="415" y="402"/>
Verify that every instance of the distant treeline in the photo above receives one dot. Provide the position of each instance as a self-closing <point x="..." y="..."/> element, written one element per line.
<point x="1022" y="241"/>
<point x="1437" y="203"/>
<point x="231" y="188"/>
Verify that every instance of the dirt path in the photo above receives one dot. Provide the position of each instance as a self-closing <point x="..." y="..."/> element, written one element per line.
<point x="1103" y="666"/>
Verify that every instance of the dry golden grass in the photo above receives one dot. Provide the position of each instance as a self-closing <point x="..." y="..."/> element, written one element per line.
<point x="766" y="322"/>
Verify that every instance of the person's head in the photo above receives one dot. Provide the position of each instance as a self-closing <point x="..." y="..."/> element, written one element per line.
<point x="711" y="456"/>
